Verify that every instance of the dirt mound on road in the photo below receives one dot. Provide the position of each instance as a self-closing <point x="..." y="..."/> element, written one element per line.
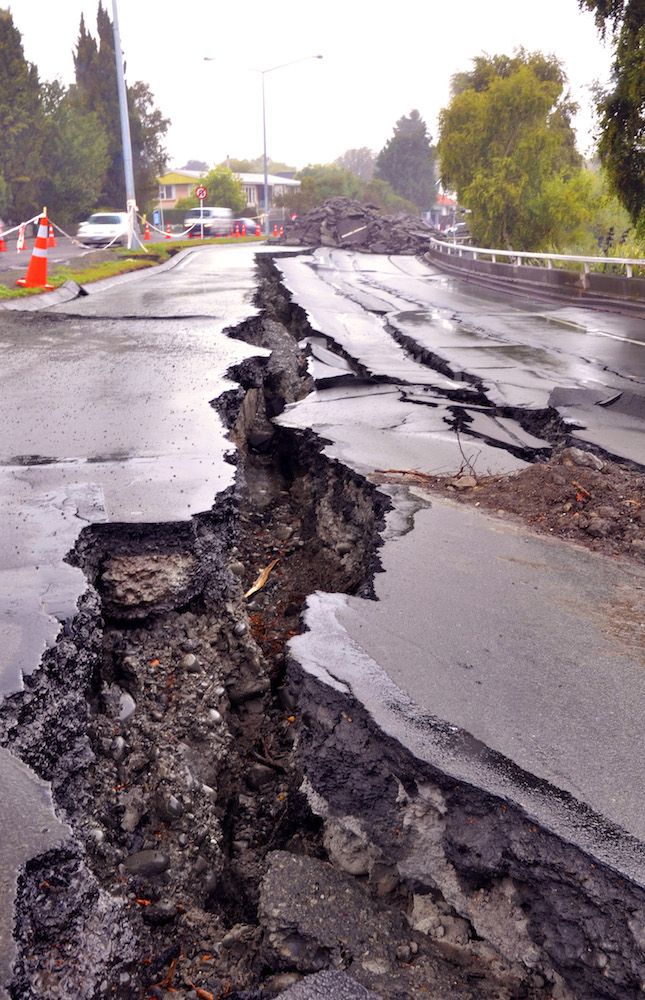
<point x="342" y="222"/>
<point x="576" y="495"/>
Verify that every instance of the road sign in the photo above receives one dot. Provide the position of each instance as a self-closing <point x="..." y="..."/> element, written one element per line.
<point x="200" y="192"/>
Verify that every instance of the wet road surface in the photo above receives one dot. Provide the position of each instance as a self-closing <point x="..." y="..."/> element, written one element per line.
<point x="521" y="655"/>
<point x="507" y="354"/>
<point x="104" y="419"/>
<point x="530" y="652"/>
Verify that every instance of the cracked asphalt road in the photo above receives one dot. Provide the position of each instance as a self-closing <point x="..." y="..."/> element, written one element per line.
<point x="107" y="416"/>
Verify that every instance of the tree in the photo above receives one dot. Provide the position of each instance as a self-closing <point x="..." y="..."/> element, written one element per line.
<point x="507" y="147"/>
<point x="224" y="190"/>
<point x="77" y="155"/>
<point x="359" y="162"/>
<point x="199" y="165"/>
<point x="96" y="85"/>
<point x="407" y="161"/>
<point x="321" y="181"/>
<point x="147" y="127"/>
<point x="379" y="193"/>
<point x="256" y="166"/>
<point x="21" y="114"/>
<point x="318" y="182"/>
<point x="621" y="108"/>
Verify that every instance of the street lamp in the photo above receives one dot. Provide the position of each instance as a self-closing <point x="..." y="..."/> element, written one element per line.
<point x="126" y="144"/>
<point x="263" y="73"/>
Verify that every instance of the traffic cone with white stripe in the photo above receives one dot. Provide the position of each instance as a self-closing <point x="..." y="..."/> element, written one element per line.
<point x="36" y="276"/>
<point x="168" y="235"/>
<point x="3" y="245"/>
<point x="51" y="237"/>
<point x="146" y="232"/>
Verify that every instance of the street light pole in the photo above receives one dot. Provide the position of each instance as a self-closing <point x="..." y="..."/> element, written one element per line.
<point x="265" y="161"/>
<point x="130" y="198"/>
<point x="263" y="73"/>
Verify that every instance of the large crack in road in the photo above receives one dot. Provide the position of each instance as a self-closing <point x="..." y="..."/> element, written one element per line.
<point x="239" y="818"/>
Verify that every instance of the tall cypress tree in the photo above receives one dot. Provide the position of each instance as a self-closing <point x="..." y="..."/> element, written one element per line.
<point x="407" y="161"/>
<point x="97" y="88"/>
<point x="21" y="114"/>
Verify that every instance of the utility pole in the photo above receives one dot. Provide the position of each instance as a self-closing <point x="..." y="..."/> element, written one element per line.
<point x="126" y="143"/>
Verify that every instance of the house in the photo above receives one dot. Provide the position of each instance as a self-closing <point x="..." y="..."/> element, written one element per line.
<point x="178" y="184"/>
<point x="443" y="213"/>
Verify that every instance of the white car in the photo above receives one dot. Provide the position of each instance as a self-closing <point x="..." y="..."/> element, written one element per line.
<point x="210" y="220"/>
<point x="103" y="228"/>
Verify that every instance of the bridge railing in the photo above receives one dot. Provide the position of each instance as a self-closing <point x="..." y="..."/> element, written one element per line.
<point x="548" y="260"/>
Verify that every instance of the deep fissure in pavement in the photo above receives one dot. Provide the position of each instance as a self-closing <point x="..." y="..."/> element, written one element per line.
<point x="237" y="823"/>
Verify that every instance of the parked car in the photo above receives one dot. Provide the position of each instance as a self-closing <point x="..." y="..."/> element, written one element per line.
<point x="103" y="228"/>
<point x="212" y="220"/>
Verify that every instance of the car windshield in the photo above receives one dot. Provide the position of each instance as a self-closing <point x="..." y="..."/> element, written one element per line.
<point x="104" y="220"/>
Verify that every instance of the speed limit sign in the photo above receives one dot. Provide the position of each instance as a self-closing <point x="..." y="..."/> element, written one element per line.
<point x="200" y="192"/>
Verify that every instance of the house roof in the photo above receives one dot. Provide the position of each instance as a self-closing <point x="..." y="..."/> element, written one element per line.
<point x="180" y="176"/>
<point x="273" y="179"/>
<point x="189" y="176"/>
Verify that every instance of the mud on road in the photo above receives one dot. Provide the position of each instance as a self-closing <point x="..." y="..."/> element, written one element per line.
<point x="236" y="827"/>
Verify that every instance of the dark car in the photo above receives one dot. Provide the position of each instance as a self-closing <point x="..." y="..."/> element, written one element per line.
<point x="248" y="224"/>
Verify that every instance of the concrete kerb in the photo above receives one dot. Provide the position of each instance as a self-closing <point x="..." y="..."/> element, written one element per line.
<point x="71" y="290"/>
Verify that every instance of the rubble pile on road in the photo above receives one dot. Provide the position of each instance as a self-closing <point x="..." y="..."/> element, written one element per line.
<point x="343" y="222"/>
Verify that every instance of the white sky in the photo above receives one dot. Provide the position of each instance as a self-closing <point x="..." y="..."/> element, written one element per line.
<point x="378" y="63"/>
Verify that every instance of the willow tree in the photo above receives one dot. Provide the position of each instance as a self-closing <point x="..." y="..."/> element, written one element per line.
<point x="621" y="106"/>
<point x="507" y="147"/>
<point x="96" y="89"/>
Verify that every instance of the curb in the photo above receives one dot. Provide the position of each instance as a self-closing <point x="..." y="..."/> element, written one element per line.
<point x="32" y="303"/>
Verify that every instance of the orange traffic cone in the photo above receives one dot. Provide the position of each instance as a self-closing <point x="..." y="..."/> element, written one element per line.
<point x="21" y="243"/>
<point x="168" y="236"/>
<point x="146" y="233"/>
<point x="243" y="229"/>
<point x="36" y="276"/>
<point x="275" y="230"/>
<point x="51" y="238"/>
<point x="237" y="229"/>
<point x="257" y="229"/>
<point x="3" y="245"/>
<point x="281" y="230"/>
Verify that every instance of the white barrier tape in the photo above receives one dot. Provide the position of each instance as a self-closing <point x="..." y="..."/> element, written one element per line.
<point x="15" y="229"/>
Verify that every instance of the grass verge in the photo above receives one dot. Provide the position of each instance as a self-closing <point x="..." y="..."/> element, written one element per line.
<point x="121" y="261"/>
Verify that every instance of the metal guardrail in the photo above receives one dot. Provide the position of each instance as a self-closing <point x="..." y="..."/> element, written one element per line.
<point x="455" y="248"/>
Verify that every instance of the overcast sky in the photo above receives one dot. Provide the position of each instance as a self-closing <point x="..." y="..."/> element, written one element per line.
<point x="378" y="64"/>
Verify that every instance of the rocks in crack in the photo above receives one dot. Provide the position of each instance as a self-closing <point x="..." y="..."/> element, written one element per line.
<point x="315" y="917"/>
<point x="147" y="863"/>
<point x="327" y="985"/>
<point x="136" y="584"/>
<point x="343" y="222"/>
